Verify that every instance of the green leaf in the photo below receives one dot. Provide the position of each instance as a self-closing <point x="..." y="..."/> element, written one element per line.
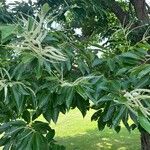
<point x="17" y="96"/>
<point x="81" y="91"/>
<point x="144" y="72"/>
<point x="39" y="69"/>
<point x="136" y="70"/>
<point x="82" y="105"/>
<point x="68" y="64"/>
<point x="131" y="55"/>
<point x="108" y="114"/>
<point x="101" y="124"/>
<point x="26" y="116"/>
<point x="4" y="127"/>
<point x="24" y="140"/>
<point x="111" y="64"/>
<point x="47" y="116"/>
<point x="142" y="82"/>
<point x="50" y="135"/>
<point x="45" y="8"/>
<point x="43" y="99"/>
<point x="36" y="114"/>
<point x="96" y="115"/>
<point x="117" y="117"/>
<point x="18" y="71"/>
<point x="27" y="57"/>
<point x="7" y="146"/>
<point x="115" y="85"/>
<point x="83" y="66"/>
<point x="47" y="66"/>
<point x="69" y="96"/>
<point x="4" y="141"/>
<point x="19" y="99"/>
<point x="105" y="98"/>
<point x="122" y="71"/>
<point x="41" y="127"/>
<point x="55" y="114"/>
<point x="7" y="31"/>
<point x="25" y="143"/>
<point x="39" y="142"/>
<point x="97" y="62"/>
<point x="144" y="122"/>
<point x="117" y="129"/>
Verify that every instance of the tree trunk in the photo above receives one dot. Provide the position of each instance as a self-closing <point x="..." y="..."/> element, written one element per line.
<point x="140" y="10"/>
<point x="122" y="15"/>
<point x="145" y="141"/>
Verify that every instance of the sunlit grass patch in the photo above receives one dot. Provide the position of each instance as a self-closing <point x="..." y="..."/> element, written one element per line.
<point x="77" y="133"/>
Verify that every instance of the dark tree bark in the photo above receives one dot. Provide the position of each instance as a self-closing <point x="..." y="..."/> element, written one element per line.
<point x="140" y="10"/>
<point x="145" y="141"/>
<point x="140" y="7"/>
<point x="121" y="14"/>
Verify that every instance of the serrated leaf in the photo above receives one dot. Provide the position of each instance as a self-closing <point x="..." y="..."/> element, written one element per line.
<point x="69" y="96"/>
<point x="39" y="142"/>
<point x="144" y="72"/>
<point x="81" y="91"/>
<point x="108" y="114"/>
<point x="25" y="143"/>
<point x="144" y="122"/>
<point x="47" y="116"/>
<point x="118" y="116"/>
<point x="55" y="115"/>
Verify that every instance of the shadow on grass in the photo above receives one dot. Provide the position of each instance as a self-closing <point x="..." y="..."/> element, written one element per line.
<point x="106" y="140"/>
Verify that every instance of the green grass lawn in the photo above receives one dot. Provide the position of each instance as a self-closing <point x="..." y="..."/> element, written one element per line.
<point x="77" y="133"/>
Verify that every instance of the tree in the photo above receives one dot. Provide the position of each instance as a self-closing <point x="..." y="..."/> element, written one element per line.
<point x="46" y="71"/>
<point x="97" y="20"/>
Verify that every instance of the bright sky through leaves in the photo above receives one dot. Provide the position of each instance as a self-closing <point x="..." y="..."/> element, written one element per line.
<point x="11" y="1"/>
